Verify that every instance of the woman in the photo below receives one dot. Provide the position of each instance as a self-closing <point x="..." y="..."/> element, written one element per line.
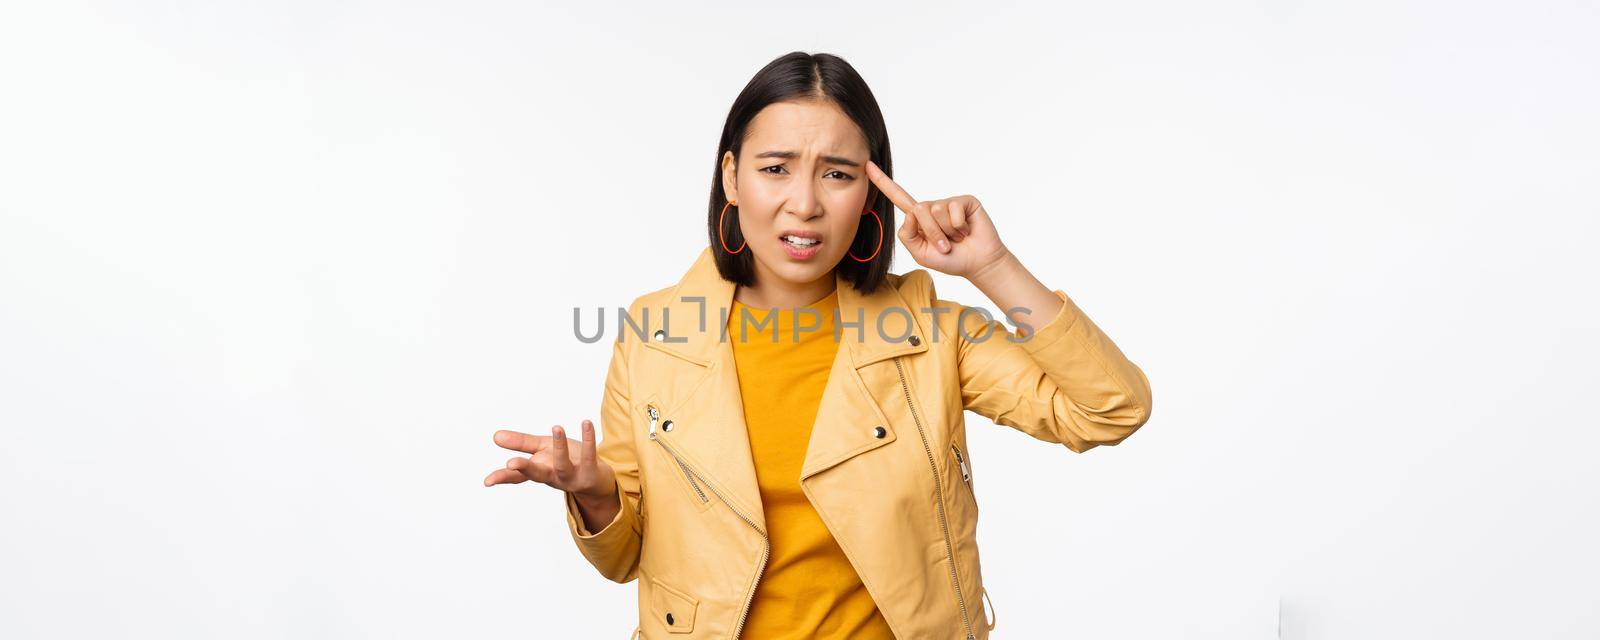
<point x="801" y="469"/>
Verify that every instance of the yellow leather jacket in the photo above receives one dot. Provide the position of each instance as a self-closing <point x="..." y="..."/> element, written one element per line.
<point x="887" y="467"/>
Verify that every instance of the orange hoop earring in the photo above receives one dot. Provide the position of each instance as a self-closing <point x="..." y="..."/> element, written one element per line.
<point x="723" y="240"/>
<point x="880" y="239"/>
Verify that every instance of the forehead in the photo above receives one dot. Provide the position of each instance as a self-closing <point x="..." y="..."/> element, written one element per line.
<point x="817" y="126"/>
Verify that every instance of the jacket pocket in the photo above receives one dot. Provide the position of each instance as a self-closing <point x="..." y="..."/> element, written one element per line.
<point x="672" y="608"/>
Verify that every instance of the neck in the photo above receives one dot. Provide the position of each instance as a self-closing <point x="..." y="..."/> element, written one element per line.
<point x="772" y="292"/>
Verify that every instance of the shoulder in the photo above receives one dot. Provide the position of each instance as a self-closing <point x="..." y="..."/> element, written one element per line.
<point x="914" y="286"/>
<point x="917" y="289"/>
<point x="641" y="315"/>
<point x="655" y="299"/>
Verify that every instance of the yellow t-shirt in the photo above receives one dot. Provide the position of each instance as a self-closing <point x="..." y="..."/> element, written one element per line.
<point x="808" y="589"/>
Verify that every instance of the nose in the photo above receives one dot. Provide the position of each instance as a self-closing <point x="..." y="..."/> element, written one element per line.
<point x="803" y="202"/>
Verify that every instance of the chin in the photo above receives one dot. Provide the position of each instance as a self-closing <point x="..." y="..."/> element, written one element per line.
<point x="802" y="272"/>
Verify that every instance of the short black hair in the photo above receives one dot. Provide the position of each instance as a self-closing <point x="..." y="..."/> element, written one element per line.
<point x="801" y="76"/>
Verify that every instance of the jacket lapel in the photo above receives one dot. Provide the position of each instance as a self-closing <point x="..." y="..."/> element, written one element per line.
<point x="872" y="328"/>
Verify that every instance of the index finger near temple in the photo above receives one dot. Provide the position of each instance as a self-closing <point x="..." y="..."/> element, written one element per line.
<point x="518" y="441"/>
<point x="890" y="188"/>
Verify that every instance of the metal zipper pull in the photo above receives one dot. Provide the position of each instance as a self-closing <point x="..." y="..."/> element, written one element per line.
<point x="966" y="472"/>
<point x="655" y="416"/>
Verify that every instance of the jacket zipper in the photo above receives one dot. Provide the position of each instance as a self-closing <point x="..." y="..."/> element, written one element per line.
<point x="766" y="544"/>
<point x="966" y="472"/>
<point x="655" y="416"/>
<point x="938" y="492"/>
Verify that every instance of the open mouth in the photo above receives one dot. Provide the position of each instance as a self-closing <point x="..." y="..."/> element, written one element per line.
<point x="800" y="242"/>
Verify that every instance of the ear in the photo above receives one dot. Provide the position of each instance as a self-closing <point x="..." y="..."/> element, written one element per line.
<point x="730" y="176"/>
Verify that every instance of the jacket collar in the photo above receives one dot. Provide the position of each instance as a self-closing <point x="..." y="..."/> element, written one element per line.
<point x="694" y="317"/>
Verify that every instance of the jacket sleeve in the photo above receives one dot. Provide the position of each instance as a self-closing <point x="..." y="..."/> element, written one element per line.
<point x="1067" y="382"/>
<point x="614" y="549"/>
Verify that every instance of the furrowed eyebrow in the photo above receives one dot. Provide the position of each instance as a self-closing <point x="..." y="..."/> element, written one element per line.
<point x="790" y="155"/>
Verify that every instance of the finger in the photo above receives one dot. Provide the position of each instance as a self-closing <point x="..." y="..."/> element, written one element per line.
<point x="586" y="454"/>
<point x="532" y="470"/>
<point x="560" y="463"/>
<point x="976" y="216"/>
<point x="929" y="229"/>
<point x="890" y="188"/>
<point x="518" y="441"/>
<point x="504" y="476"/>
<point x="959" y="209"/>
<point x="941" y="217"/>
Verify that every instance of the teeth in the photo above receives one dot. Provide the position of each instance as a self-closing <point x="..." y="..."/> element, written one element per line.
<point x="800" y="242"/>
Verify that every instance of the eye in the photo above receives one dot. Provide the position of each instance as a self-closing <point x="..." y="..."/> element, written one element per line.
<point x="842" y="175"/>
<point x="779" y="167"/>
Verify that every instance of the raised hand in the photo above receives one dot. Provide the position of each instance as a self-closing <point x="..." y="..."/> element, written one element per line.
<point x="953" y="236"/>
<point x="553" y="462"/>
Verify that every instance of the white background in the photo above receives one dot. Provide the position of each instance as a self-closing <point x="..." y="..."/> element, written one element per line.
<point x="272" y="273"/>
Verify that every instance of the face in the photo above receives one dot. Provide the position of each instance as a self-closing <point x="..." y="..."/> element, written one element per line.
<point x="801" y="188"/>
